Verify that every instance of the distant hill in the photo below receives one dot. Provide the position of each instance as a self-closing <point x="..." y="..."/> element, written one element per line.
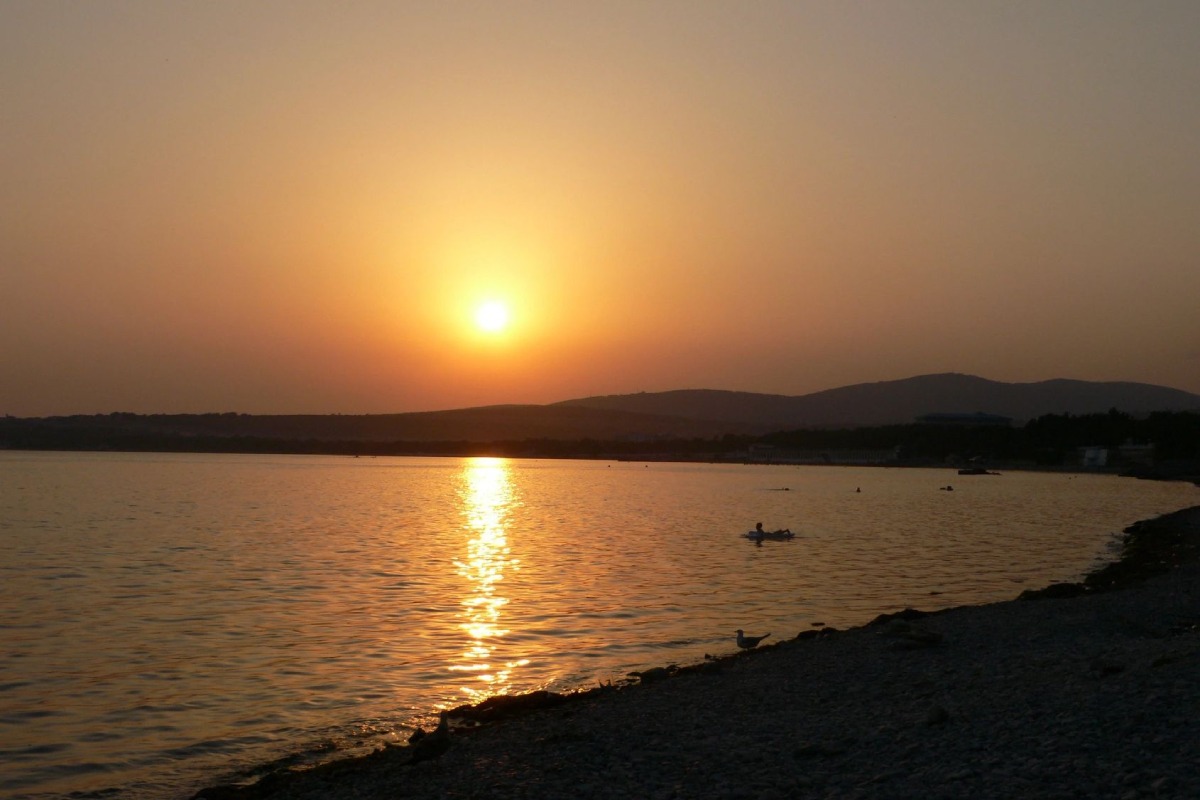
<point x="682" y="414"/>
<point x="900" y="402"/>
<point x="482" y="424"/>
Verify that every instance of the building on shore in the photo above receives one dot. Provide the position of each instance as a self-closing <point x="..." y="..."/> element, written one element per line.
<point x="1125" y="455"/>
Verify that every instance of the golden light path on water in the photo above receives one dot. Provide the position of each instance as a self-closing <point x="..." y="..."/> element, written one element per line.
<point x="487" y="501"/>
<point x="313" y="607"/>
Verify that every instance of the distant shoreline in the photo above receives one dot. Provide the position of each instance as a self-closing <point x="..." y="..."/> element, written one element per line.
<point x="1162" y="445"/>
<point x="842" y="710"/>
<point x="1187" y="473"/>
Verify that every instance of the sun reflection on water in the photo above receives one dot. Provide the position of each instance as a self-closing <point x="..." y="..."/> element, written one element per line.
<point x="488" y="499"/>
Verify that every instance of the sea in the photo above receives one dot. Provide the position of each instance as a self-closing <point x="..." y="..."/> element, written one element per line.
<point x="169" y="622"/>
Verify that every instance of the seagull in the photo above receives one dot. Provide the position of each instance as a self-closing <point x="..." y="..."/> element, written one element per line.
<point x="429" y="746"/>
<point x="749" y="642"/>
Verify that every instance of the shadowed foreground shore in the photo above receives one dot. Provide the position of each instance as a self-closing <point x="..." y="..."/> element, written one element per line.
<point x="1083" y="690"/>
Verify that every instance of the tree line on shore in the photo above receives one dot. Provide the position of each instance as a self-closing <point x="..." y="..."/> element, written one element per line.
<point x="1049" y="440"/>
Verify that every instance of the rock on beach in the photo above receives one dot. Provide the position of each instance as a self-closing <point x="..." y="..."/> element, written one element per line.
<point x="1087" y="693"/>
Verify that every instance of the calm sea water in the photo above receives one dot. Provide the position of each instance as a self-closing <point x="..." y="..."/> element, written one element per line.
<point x="171" y="620"/>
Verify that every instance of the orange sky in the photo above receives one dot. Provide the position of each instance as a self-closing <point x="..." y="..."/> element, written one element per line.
<point x="298" y="207"/>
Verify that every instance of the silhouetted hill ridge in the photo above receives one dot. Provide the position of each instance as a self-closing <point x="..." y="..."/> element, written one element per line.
<point x="679" y="414"/>
<point x="902" y="401"/>
<point x="479" y="424"/>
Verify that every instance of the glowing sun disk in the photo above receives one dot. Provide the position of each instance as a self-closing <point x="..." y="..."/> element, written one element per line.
<point x="492" y="317"/>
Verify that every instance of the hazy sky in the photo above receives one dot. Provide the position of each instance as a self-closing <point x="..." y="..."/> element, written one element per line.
<point x="298" y="207"/>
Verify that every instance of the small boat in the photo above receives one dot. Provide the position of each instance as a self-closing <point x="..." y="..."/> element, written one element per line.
<point x="976" y="471"/>
<point x="769" y="536"/>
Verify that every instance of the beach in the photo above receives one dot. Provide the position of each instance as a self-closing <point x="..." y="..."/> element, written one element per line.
<point x="1082" y="690"/>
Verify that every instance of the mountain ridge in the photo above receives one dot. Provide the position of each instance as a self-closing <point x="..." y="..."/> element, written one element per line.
<point x="902" y="401"/>
<point x="677" y="414"/>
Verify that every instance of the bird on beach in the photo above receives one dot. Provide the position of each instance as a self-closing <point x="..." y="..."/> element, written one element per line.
<point x="749" y="642"/>
<point x="428" y="746"/>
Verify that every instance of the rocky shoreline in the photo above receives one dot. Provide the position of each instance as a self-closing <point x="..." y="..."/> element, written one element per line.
<point x="1079" y="690"/>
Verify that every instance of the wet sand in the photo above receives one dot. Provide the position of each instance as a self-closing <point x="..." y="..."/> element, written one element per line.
<point x="1082" y="690"/>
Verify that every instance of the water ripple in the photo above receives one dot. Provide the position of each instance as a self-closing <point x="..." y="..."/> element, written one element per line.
<point x="177" y="619"/>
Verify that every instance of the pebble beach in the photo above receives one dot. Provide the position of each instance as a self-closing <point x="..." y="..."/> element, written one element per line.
<point x="1087" y="690"/>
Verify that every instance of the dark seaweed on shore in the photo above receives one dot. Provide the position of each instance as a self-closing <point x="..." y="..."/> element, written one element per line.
<point x="1150" y="547"/>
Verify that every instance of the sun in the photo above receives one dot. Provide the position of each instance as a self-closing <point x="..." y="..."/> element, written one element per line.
<point x="492" y="317"/>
